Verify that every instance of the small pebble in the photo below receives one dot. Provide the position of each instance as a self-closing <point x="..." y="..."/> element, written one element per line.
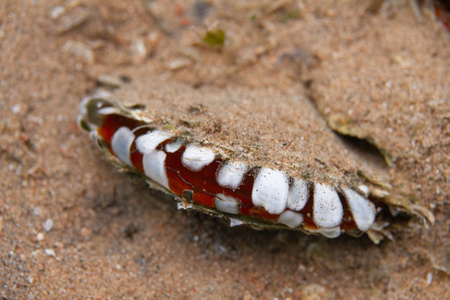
<point x="301" y="268"/>
<point x="57" y="12"/>
<point x="79" y="50"/>
<point x="50" y="252"/>
<point x="59" y="245"/>
<point x="200" y="9"/>
<point x="72" y="19"/>
<point x="138" y="50"/>
<point x="85" y="232"/>
<point x="178" y="64"/>
<point x="110" y="81"/>
<point x="220" y="249"/>
<point x="247" y="296"/>
<point x="40" y="237"/>
<point x="16" y="109"/>
<point x="48" y="225"/>
<point x="429" y="279"/>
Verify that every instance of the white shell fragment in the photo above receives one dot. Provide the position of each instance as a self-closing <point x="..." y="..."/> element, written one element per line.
<point x="230" y="174"/>
<point x="226" y="204"/>
<point x="327" y="207"/>
<point x="196" y="158"/>
<point x="291" y="219"/>
<point x="148" y="142"/>
<point x="50" y="252"/>
<point x="48" y="225"/>
<point x="154" y="167"/>
<point x="298" y="195"/>
<point x="120" y="144"/>
<point x="270" y="190"/>
<point x="363" y="210"/>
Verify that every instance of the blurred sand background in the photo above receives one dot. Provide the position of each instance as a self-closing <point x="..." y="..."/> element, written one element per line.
<point x="72" y="226"/>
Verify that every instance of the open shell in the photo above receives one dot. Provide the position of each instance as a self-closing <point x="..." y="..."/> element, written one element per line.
<point x="205" y="177"/>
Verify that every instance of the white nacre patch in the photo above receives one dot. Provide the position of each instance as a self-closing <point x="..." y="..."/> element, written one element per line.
<point x="154" y="167"/>
<point x="298" y="195"/>
<point x="291" y="219"/>
<point x="230" y="174"/>
<point x="108" y="110"/>
<point x="364" y="189"/>
<point x="226" y="204"/>
<point x="196" y="158"/>
<point x="326" y="232"/>
<point x="330" y="232"/>
<point x="121" y="143"/>
<point x="235" y="222"/>
<point x="175" y="146"/>
<point x="327" y="207"/>
<point x="271" y="190"/>
<point x="148" y="142"/>
<point x="362" y="209"/>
